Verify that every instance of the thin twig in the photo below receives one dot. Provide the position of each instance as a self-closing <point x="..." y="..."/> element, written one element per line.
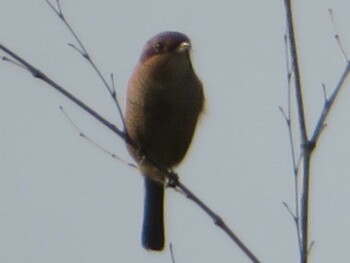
<point x="7" y="59"/>
<point x="295" y="215"/>
<point x="296" y="164"/>
<point x="84" y="136"/>
<point x="290" y="211"/>
<point x="83" y="51"/>
<point x="311" y="246"/>
<point x="114" y="95"/>
<point x="324" y="88"/>
<point x="329" y="103"/>
<point x="337" y="36"/>
<point x="172" y="253"/>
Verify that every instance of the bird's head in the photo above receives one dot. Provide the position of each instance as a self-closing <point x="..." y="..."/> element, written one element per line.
<point x="167" y="43"/>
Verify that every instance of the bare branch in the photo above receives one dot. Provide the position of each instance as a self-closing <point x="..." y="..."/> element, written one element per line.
<point x="172" y="253"/>
<point x="284" y="114"/>
<point x="295" y="68"/>
<point x="38" y="74"/>
<point x="84" y="136"/>
<point x="7" y="59"/>
<point x="83" y="51"/>
<point x="114" y="95"/>
<point x="337" y="36"/>
<point x="77" y="49"/>
<point x="329" y="103"/>
<point x="306" y="148"/>
<point x="324" y="88"/>
<point x="308" y="145"/>
<point x="295" y="162"/>
<point x="295" y="218"/>
<point x="58" y="10"/>
<point x="311" y="246"/>
<point x="216" y="218"/>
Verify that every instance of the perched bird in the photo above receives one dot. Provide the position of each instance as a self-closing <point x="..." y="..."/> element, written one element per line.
<point x="164" y="101"/>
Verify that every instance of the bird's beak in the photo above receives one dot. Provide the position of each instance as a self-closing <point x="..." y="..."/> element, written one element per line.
<point x="183" y="47"/>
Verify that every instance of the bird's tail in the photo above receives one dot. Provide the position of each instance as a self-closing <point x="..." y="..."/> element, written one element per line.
<point x="153" y="218"/>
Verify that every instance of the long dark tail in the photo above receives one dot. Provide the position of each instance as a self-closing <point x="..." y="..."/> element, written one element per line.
<point x="153" y="217"/>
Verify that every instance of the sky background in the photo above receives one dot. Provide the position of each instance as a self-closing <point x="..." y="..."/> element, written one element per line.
<point x="64" y="200"/>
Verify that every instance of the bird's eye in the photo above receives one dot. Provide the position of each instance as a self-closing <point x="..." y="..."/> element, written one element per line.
<point x="159" y="47"/>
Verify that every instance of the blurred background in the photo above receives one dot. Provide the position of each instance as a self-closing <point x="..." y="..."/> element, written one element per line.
<point x="64" y="200"/>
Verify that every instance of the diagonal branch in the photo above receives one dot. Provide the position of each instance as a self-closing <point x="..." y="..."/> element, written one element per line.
<point x="218" y="221"/>
<point x="328" y="103"/>
<point x="40" y="75"/>
<point x="84" y="53"/>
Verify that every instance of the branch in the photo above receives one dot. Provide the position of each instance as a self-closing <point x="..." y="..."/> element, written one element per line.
<point x="306" y="147"/>
<point x="296" y="164"/>
<point x="217" y="221"/>
<point x="337" y="36"/>
<point x="172" y="253"/>
<point x="40" y="75"/>
<point x="295" y="68"/>
<point x="83" y="51"/>
<point x="88" y="139"/>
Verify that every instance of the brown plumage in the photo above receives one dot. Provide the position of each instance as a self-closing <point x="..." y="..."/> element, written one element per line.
<point x="164" y="101"/>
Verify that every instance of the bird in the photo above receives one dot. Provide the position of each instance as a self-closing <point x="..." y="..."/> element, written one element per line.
<point x="164" y="102"/>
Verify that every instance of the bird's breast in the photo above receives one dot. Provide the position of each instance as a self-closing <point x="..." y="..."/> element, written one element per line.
<point x="162" y="112"/>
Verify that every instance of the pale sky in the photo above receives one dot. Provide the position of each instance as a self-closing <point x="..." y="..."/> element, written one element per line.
<point x="64" y="200"/>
